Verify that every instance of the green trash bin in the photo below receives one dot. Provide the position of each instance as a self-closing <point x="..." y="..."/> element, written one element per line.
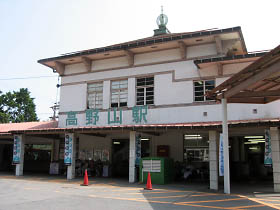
<point x="161" y="170"/>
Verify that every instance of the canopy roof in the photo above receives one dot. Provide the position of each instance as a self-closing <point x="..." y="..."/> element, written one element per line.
<point x="52" y="128"/>
<point x="258" y="83"/>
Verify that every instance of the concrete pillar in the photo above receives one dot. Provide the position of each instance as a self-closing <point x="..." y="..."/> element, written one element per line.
<point x="72" y="148"/>
<point x="55" y="150"/>
<point x="132" y="157"/>
<point x="226" y="150"/>
<point x="131" y="92"/>
<point x="213" y="159"/>
<point x="20" y="151"/>
<point x="106" y="94"/>
<point x="275" y="148"/>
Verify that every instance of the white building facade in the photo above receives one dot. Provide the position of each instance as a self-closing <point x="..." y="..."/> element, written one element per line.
<point x="155" y="87"/>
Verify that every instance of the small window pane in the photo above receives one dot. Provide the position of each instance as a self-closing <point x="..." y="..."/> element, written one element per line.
<point x="148" y="98"/>
<point x="210" y="82"/>
<point x="199" y="93"/>
<point x="197" y="84"/>
<point x="140" y="94"/>
<point x="95" y="95"/>
<point x="119" y="93"/>
<point x="199" y="98"/>
<point x="122" y="104"/>
<point x="144" y="91"/>
<point x="114" y="104"/>
<point x="198" y="88"/>
<point x="140" y="103"/>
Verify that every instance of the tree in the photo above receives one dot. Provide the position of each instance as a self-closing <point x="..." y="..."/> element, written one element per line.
<point x="17" y="106"/>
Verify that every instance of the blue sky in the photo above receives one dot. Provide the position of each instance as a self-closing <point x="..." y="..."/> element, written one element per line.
<point x="34" y="29"/>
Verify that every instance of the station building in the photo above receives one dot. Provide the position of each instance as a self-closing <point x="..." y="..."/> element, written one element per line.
<point x="151" y="90"/>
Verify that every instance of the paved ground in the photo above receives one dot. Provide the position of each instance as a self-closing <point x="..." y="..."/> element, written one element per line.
<point x="55" y="193"/>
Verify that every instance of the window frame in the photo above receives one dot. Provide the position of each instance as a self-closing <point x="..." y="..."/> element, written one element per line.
<point x="204" y="90"/>
<point x="118" y="90"/>
<point x="145" y="90"/>
<point x="95" y="95"/>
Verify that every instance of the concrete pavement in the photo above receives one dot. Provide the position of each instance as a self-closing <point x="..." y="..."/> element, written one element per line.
<point x="37" y="192"/>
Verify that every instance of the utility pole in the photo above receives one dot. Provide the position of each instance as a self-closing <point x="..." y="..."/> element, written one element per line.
<point x="55" y="108"/>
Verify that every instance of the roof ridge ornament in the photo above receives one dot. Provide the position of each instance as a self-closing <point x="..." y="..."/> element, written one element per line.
<point x="162" y="21"/>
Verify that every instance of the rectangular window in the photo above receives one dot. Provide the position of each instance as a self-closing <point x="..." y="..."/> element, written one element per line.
<point x="201" y="87"/>
<point x="145" y="91"/>
<point x="119" y="93"/>
<point x="196" y="148"/>
<point x="95" y="95"/>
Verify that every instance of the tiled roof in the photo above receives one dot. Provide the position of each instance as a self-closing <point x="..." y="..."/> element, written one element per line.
<point x="5" y="128"/>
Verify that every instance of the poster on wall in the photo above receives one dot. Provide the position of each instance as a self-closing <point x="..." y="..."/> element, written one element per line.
<point x="89" y="154"/>
<point x="97" y="155"/>
<point x="221" y="156"/>
<point x="17" y="149"/>
<point x="267" y="152"/>
<point x="105" y="155"/>
<point x="137" y="149"/>
<point x="68" y="148"/>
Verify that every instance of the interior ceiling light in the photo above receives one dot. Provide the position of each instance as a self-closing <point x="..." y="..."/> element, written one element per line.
<point x="261" y="140"/>
<point x="250" y="142"/>
<point x="198" y="137"/>
<point x="253" y="148"/>
<point x="145" y="139"/>
<point x="254" y="142"/>
<point x="258" y="141"/>
<point x="117" y="142"/>
<point x="253" y="137"/>
<point x="192" y="135"/>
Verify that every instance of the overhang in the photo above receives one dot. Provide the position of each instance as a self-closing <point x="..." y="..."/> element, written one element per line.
<point x="203" y="63"/>
<point x="258" y="83"/>
<point x="150" y="44"/>
<point x="152" y="127"/>
<point x="6" y="128"/>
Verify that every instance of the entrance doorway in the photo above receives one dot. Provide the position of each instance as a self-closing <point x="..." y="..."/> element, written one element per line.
<point x="37" y="158"/>
<point x="6" y="157"/>
<point x="120" y="158"/>
<point x="247" y="159"/>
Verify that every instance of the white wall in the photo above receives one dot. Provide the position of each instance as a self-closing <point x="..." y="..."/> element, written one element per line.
<point x="169" y="92"/>
<point x="75" y="68"/>
<point x="73" y="98"/>
<point x="173" y="85"/>
<point x="201" y="50"/>
<point x="174" y="141"/>
<point x="109" y="63"/>
<point x="185" y="113"/>
<point x="159" y="56"/>
<point x="91" y="143"/>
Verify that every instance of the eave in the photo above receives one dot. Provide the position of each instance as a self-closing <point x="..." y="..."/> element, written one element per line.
<point x="150" y="44"/>
<point x="202" y="63"/>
